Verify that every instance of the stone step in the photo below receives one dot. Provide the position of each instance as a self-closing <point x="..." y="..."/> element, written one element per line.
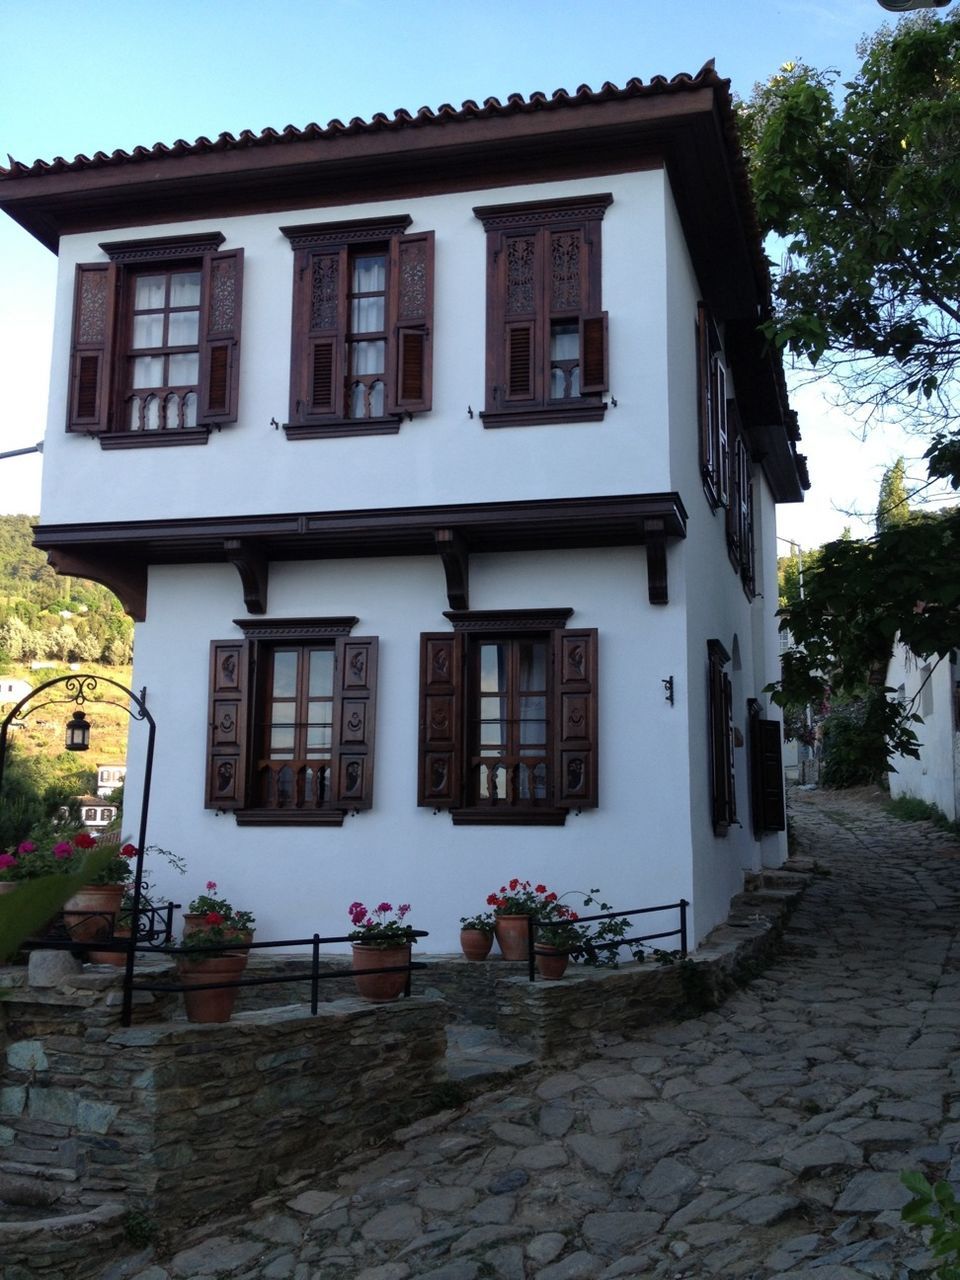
<point x="476" y="1055"/>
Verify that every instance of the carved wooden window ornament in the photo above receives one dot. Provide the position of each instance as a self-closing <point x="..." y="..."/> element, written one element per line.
<point x="546" y="332"/>
<point x="155" y="354"/>
<point x="362" y="320"/>
<point x="291" y="723"/>
<point x="508" y="717"/>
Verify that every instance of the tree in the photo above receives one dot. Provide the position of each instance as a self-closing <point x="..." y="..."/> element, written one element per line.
<point x="893" y="504"/>
<point x="865" y="191"/>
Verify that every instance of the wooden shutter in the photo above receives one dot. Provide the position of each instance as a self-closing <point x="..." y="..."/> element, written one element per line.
<point x="766" y="773"/>
<point x="319" y="327"/>
<point x="720" y="709"/>
<point x="440" y="781"/>
<point x="221" y="294"/>
<point x="718" y="409"/>
<point x="519" y="361"/>
<point x="411" y="323"/>
<point x="575" y="719"/>
<point x="732" y="518"/>
<point x="354" y="721"/>
<point x="594" y="376"/>
<point x="91" y="348"/>
<point x="227" y="725"/>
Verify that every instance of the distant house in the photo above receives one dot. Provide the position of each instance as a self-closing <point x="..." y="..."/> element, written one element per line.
<point x="109" y="777"/>
<point x="94" y="814"/>
<point x="464" y="569"/>
<point x="11" y="691"/>
<point x="932" y="689"/>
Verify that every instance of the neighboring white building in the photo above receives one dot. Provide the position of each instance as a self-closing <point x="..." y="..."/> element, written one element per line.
<point x="12" y="690"/>
<point x="109" y="777"/>
<point x="465" y="567"/>
<point x="932" y="688"/>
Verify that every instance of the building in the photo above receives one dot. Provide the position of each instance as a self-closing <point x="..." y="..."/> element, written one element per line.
<point x="436" y="458"/>
<point x="931" y="689"/>
<point x="109" y="777"/>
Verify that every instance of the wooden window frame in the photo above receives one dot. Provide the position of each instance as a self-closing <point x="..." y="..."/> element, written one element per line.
<point x="321" y="330"/>
<point x="239" y="680"/>
<point x="523" y="310"/>
<point x="449" y="700"/>
<point x="720" y="736"/>
<point x="767" y="798"/>
<point x="712" y="411"/>
<point x="101" y="338"/>
<point x="739" y="511"/>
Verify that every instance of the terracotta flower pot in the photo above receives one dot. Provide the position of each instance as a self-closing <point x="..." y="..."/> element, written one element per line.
<point x="217" y="1004"/>
<point x="380" y="987"/>
<point x="84" y="915"/>
<point x="551" y="961"/>
<point x="513" y="933"/>
<point x="192" y="921"/>
<point x="476" y="943"/>
<point x="111" y="957"/>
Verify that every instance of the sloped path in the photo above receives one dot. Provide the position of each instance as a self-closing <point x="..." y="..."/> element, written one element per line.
<point x="761" y="1140"/>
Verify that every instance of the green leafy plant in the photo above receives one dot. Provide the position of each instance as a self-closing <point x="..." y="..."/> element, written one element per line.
<point x="935" y="1206"/>
<point x="29" y="861"/>
<point x="482" y="922"/>
<point x="375" y="928"/>
<point x="204" y="905"/>
<point x="33" y="902"/>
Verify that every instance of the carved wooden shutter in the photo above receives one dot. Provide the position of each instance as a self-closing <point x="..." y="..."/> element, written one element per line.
<point x="766" y="772"/>
<point x="222" y="293"/>
<point x="575" y="719"/>
<point x="519" y="288"/>
<point x="91" y="348"/>
<point x="354" y="721"/>
<point x="720" y="707"/>
<point x="319" y="326"/>
<point x="227" y="721"/>
<point x="594" y="376"/>
<point x="441" y="720"/>
<point x="411" y="322"/>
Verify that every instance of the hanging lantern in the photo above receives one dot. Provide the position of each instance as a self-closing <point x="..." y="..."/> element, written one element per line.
<point x="78" y="732"/>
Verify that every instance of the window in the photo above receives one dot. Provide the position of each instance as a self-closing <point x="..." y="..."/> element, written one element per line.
<point x="740" y="542"/>
<point x="546" y="332"/>
<point x="766" y="772"/>
<point x="508" y="717"/>
<point x="155" y="356"/>
<point x="291" y="726"/>
<point x="712" y="406"/>
<point x="723" y="793"/>
<point x="362" y="318"/>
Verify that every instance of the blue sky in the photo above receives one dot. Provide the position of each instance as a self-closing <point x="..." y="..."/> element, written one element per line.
<point x="105" y="74"/>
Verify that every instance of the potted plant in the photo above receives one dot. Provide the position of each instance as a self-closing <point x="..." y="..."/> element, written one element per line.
<point x="554" y="943"/>
<point x="208" y="955"/>
<point x="476" y="935"/>
<point x="380" y="941"/>
<point x="198" y="912"/>
<point x="93" y="911"/>
<point x="512" y="907"/>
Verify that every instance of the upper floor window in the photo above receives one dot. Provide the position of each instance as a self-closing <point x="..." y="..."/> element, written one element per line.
<point x="712" y="407"/>
<point x="546" y="332"/>
<point x="740" y="533"/>
<point x="362" y="319"/>
<point x="291" y="721"/>
<point x="508" y="717"/>
<point x="156" y="341"/>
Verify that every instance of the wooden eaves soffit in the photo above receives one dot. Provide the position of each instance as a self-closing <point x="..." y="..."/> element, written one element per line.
<point x="119" y="554"/>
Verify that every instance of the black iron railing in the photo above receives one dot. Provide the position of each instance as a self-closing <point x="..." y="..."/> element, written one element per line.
<point x="637" y="941"/>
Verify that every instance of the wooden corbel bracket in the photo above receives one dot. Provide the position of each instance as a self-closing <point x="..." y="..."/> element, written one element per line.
<point x="656" y="548"/>
<point x="253" y="567"/>
<point x="453" y="553"/>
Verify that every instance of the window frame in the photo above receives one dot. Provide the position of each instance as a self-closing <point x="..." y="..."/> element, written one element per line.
<point x="102" y="332"/>
<point x="739" y="512"/>
<point x="448" y="696"/>
<point x="712" y="410"/>
<point x="239" y="681"/>
<point x="321" y="329"/>
<point x="521" y="314"/>
<point x="720" y="737"/>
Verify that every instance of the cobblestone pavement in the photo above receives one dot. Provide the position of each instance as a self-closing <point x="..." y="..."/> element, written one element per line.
<point x="764" y="1139"/>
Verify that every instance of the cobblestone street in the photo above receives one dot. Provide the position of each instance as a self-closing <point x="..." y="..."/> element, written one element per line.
<point x="763" y="1139"/>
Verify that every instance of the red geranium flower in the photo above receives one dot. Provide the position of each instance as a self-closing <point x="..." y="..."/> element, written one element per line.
<point x="128" y="851"/>
<point x="213" y="917"/>
<point x="83" y="841"/>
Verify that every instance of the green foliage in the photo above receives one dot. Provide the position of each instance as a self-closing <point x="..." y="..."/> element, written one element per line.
<point x="35" y="789"/>
<point x="28" y="907"/>
<point x="865" y="189"/>
<point x="854" y="749"/>
<point x="935" y="1206"/>
<point x="912" y="809"/>
<point x="893" y="504"/>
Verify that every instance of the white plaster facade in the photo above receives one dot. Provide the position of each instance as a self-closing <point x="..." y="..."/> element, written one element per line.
<point x="650" y="839"/>
<point x="932" y="688"/>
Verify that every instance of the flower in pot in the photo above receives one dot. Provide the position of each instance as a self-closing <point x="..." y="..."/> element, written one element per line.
<point x="380" y="940"/>
<point x="476" y="935"/>
<point x="513" y="906"/>
<point x="208" y="954"/>
<point x="198" y="913"/>
<point x="554" y="942"/>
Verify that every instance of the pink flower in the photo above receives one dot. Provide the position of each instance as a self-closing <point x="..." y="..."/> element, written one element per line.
<point x="63" y="850"/>
<point x="211" y="884"/>
<point x="7" y="860"/>
<point x="384" y="906"/>
<point x="403" y="908"/>
<point x="26" y="846"/>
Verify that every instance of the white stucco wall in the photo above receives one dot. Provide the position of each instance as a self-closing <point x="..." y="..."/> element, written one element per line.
<point x="441" y="456"/>
<point x="634" y="847"/>
<point x="935" y="777"/>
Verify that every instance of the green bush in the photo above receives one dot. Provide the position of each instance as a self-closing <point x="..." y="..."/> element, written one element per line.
<point x="854" y="750"/>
